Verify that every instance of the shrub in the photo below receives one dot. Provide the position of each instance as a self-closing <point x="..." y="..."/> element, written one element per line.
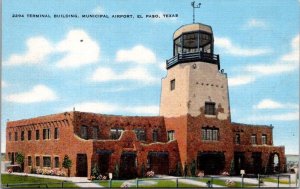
<point x="200" y="174"/>
<point x="178" y="169"/>
<point x="193" y="168"/>
<point x="67" y="163"/>
<point x="150" y="174"/>
<point x="225" y="173"/>
<point x="116" y="171"/>
<point x="95" y="170"/>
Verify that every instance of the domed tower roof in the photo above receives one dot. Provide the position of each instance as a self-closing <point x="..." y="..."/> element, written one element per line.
<point x="192" y="28"/>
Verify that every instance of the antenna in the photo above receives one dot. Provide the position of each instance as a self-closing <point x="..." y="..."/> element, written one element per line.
<point x="194" y="7"/>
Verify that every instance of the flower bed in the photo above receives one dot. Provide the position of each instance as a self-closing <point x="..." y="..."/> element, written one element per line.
<point x="49" y="171"/>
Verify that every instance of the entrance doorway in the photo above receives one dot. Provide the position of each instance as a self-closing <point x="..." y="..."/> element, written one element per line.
<point x="159" y="162"/>
<point x="81" y="165"/>
<point x="239" y="159"/>
<point x="256" y="163"/>
<point x="128" y="165"/>
<point x="273" y="164"/>
<point x="103" y="163"/>
<point x="211" y="162"/>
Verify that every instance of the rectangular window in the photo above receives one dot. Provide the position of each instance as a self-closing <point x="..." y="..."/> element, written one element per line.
<point x="215" y="134"/>
<point x="210" y="134"/>
<point x="95" y="132"/>
<point x="56" y="133"/>
<point x="83" y="131"/>
<point x="37" y="134"/>
<point x="46" y="134"/>
<point x="22" y="135"/>
<point x="37" y="161"/>
<point x="210" y="108"/>
<point x="116" y="133"/>
<point x="16" y="136"/>
<point x="172" y="84"/>
<point x="204" y="134"/>
<point x="155" y="136"/>
<point x="140" y="134"/>
<point x="171" y="135"/>
<point x="46" y="161"/>
<point x="29" y="135"/>
<point x="253" y="139"/>
<point x="56" y="162"/>
<point x="237" y="139"/>
<point x="29" y="161"/>
<point x="264" y="139"/>
<point x="9" y="136"/>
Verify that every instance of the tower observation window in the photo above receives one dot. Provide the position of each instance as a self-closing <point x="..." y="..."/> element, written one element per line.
<point x="193" y="42"/>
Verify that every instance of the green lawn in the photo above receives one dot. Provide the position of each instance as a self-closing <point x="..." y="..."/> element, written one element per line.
<point x="222" y="183"/>
<point x="15" y="179"/>
<point x="276" y="181"/>
<point x="160" y="183"/>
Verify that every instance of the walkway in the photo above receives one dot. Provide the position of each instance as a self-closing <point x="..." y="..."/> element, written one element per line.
<point x="87" y="183"/>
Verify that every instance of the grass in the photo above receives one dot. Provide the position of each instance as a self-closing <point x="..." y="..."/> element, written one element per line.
<point x="274" y="180"/>
<point x="115" y="183"/>
<point x="17" y="179"/>
<point x="223" y="183"/>
<point x="159" y="184"/>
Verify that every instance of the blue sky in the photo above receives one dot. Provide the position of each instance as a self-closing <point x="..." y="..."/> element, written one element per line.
<point x="115" y="65"/>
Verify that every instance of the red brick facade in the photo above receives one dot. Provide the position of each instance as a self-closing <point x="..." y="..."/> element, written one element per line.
<point x="165" y="144"/>
<point x="185" y="149"/>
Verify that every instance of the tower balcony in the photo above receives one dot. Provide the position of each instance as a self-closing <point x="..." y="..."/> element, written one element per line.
<point x="193" y="57"/>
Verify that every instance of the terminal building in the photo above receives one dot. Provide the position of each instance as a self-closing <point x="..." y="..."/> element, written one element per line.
<point x="194" y="126"/>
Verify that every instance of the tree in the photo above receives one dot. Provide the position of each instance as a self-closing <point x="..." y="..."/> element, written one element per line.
<point x="143" y="170"/>
<point x="20" y="160"/>
<point x="193" y="168"/>
<point x="67" y="163"/>
<point x="232" y="171"/>
<point x="95" y="170"/>
<point x="116" y="171"/>
<point x="178" y="169"/>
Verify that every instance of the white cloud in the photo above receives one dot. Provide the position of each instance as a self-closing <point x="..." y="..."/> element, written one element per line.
<point x="107" y="108"/>
<point x="3" y="84"/>
<point x="255" y="23"/>
<point x="98" y="10"/>
<point x="286" y="63"/>
<point x="137" y="73"/>
<point x="226" y="45"/>
<point x="270" y="104"/>
<point x="240" y="80"/>
<point x="38" y="93"/>
<point x="79" y="50"/>
<point x="138" y="54"/>
<point x="38" y="49"/>
<point x="290" y="116"/>
<point x="293" y="56"/>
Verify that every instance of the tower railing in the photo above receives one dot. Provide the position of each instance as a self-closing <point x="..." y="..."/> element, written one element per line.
<point x="192" y="57"/>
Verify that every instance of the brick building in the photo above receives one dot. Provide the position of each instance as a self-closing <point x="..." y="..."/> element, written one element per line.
<point x="194" y="126"/>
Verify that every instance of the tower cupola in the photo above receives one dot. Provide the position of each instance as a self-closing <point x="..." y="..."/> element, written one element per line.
<point x="193" y="42"/>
